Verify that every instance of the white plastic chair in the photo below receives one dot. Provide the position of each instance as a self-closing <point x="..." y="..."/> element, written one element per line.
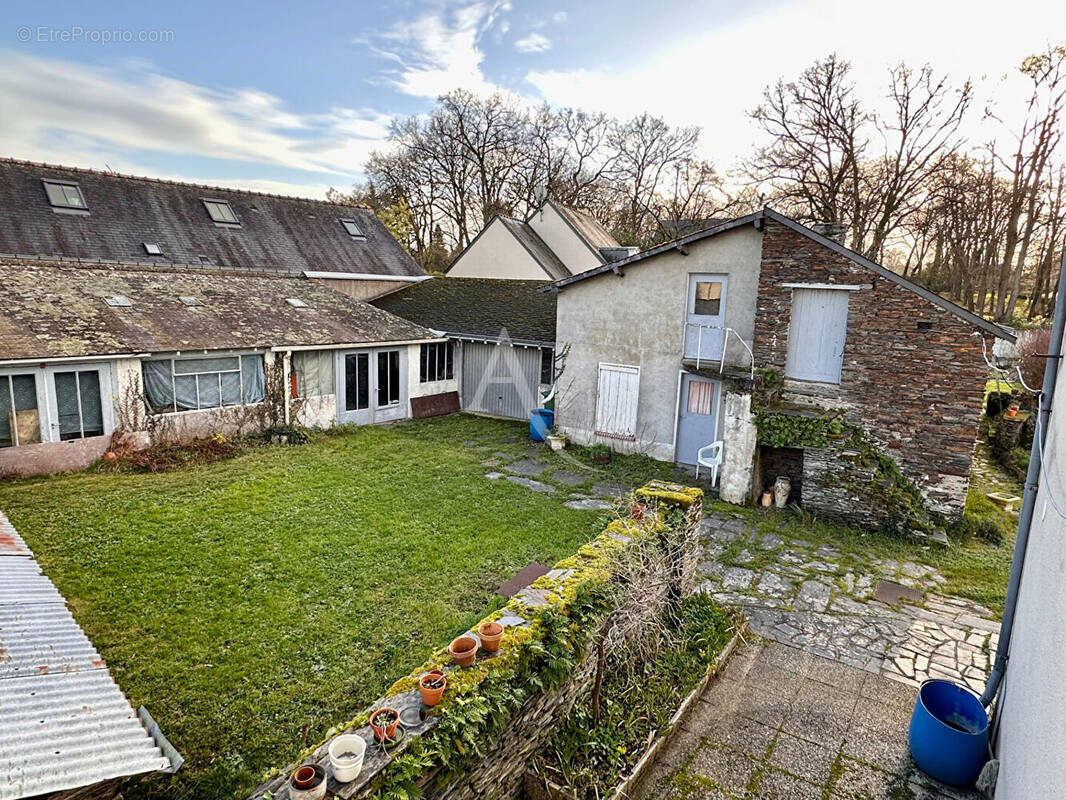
<point x="710" y="456"/>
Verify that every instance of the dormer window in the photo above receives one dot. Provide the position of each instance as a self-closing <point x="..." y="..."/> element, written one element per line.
<point x="353" y="229"/>
<point x="221" y="213"/>
<point x="65" y="195"/>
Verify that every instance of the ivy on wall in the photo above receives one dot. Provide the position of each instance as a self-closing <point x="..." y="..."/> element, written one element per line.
<point x="888" y="487"/>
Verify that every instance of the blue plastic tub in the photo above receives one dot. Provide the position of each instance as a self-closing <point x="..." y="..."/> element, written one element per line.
<point x="540" y="423"/>
<point x="949" y="733"/>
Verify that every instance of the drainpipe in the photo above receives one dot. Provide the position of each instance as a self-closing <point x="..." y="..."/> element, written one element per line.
<point x="1032" y="483"/>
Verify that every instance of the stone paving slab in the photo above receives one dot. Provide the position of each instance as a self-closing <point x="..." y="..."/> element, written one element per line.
<point x="783" y="723"/>
<point x="815" y="598"/>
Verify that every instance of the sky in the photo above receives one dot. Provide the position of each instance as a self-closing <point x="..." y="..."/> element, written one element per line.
<point x="291" y="97"/>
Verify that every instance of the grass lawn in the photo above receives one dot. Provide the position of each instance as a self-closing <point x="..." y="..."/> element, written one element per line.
<point x="243" y="600"/>
<point x="290" y="586"/>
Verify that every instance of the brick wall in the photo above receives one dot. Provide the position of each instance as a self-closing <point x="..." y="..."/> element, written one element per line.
<point x="917" y="392"/>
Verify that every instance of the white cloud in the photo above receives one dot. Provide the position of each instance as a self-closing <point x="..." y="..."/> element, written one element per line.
<point x="559" y="17"/>
<point x="88" y="115"/>
<point x="533" y="43"/>
<point x="713" y="77"/>
<point x="440" y="50"/>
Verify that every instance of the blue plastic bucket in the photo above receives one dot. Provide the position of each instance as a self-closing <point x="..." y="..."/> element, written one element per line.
<point x="540" y="423"/>
<point x="949" y="733"/>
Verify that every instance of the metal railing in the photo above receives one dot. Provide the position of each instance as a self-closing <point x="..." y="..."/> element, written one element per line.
<point x="725" y="344"/>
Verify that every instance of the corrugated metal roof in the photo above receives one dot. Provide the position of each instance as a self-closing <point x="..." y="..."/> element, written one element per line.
<point x="64" y="722"/>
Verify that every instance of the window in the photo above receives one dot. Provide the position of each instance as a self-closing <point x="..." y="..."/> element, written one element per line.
<point x="353" y="229"/>
<point x="388" y="378"/>
<point x="78" y="404"/>
<point x="816" y="334"/>
<point x="152" y="249"/>
<point x="435" y="362"/>
<point x="20" y="421"/>
<point x="220" y="211"/>
<point x="188" y="384"/>
<point x="312" y="370"/>
<point x="616" y="401"/>
<point x="295" y="302"/>
<point x="118" y="301"/>
<point x="190" y="300"/>
<point x="708" y="299"/>
<point x="356" y="381"/>
<point x="64" y="195"/>
<point x="547" y="366"/>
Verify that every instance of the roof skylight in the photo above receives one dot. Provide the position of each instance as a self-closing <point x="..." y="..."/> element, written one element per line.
<point x="221" y="212"/>
<point x="65" y="195"/>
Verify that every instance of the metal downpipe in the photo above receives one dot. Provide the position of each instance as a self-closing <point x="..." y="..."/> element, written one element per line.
<point x="1032" y="484"/>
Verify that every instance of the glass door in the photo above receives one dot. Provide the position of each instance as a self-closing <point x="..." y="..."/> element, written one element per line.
<point x="371" y="385"/>
<point x="79" y="403"/>
<point x="391" y="389"/>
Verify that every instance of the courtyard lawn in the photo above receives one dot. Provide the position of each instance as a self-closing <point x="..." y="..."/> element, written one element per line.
<point x="288" y="587"/>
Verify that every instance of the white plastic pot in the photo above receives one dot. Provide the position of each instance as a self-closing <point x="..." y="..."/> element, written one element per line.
<point x="346" y="770"/>
<point x="557" y="443"/>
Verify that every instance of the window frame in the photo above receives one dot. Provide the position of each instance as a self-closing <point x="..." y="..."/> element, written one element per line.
<point x="173" y="408"/>
<point x="66" y="206"/>
<point x="41" y="395"/>
<point x="78" y="372"/>
<point x="423" y="362"/>
<point x="300" y="386"/>
<point x="210" y="202"/>
<point x="359" y="234"/>
<point x="547" y="360"/>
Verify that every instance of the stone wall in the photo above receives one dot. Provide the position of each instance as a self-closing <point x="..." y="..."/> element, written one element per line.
<point x="648" y="563"/>
<point x="913" y="374"/>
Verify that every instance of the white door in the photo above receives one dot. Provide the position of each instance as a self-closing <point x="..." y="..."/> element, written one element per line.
<point x="697" y="424"/>
<point x="705" y="317"/>
<point x="816" y="334"/>
<point x="371" y="385"/>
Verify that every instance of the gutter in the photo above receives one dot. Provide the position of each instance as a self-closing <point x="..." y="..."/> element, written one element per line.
<point x="365" y="276"/>
<point x="1032" y="484"/>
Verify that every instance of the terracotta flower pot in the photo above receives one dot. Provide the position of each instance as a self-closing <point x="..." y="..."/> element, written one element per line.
<point x="304" y="777"/>
<point x="601" y="459"/>
<point x="463" y="650"/>
<point x="430" y="696"/>
<point x="385" y="731"/>
<point x="636" y="510"/>
<point x="308" y="782"/>
<point x="491" y="633"/>
<point x="767" y="499"/>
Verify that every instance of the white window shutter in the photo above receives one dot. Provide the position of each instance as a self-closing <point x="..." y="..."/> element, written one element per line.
<point x="616" y="405"/>
<point x="816" y="335"/>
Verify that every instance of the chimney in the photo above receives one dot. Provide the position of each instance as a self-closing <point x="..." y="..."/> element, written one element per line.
<point x="618" y="253"/>
<point x="831" y="230"/>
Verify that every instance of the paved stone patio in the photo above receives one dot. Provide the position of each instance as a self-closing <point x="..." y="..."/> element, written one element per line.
<point x="822" y="601"/>
<point x="781" y="723"/>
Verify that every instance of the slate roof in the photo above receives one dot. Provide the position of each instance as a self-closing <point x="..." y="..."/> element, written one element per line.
<point x="478" y="307"/>
<point x="50" y="310"/>
<point x="757" y="218"/>
<point x="536" y="246"/>
<point x="66" y="723"/>
<point x="586" y="226"/>
<point x="283" y="234"/>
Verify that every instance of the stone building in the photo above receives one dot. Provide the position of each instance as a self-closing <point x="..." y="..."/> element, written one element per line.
<point x="804" y="358"/>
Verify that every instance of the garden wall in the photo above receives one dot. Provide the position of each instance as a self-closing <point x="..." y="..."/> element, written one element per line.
<point x="496" y="714"/>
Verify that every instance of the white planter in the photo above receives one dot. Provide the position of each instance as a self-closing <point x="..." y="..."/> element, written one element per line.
<point x="782" y="489"/>
<point x="346" y="770"/>
<point x="557" y="443"/>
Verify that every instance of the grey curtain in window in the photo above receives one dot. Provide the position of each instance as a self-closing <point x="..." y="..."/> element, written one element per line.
<point x="159" y="390"/>
<point x="314" y="372"/>
<point x="253" y="378"/>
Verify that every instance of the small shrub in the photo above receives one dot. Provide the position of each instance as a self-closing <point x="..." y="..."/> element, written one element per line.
<point x="972" y="526"/>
